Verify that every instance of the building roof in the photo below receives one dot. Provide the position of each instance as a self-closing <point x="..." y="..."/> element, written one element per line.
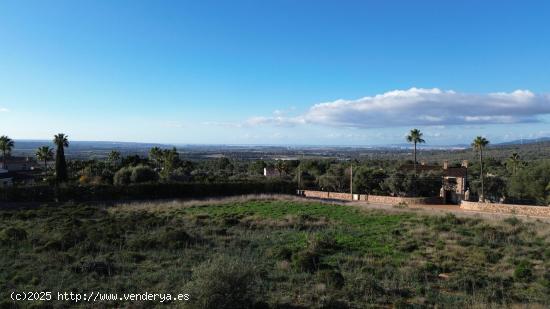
<point x="455" y="172"/>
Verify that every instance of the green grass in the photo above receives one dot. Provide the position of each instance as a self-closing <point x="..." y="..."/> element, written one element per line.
<point x="274" y="254"/>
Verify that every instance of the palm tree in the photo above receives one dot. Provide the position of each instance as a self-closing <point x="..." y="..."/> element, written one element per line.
<point x="478" y="144"/>
<point x="44" y="154"/>
<point x="415" y="136"/>
<point x="6" y="144"/>
<point x="61" y="141"/>
<point x="513" y="162"/>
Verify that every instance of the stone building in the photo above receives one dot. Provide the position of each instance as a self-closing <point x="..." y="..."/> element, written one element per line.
<point x="455" y="179"/>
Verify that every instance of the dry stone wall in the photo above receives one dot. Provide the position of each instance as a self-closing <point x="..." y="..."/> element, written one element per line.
<point x="524" y="210"/>
<point x="380" y="199"/>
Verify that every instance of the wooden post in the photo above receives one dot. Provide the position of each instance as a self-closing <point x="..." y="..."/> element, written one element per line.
<point x="351" y="180"/>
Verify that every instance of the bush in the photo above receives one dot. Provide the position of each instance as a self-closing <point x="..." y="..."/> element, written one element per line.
<point x="224" y="282"/>
<point x="331" y="278"/>
<point x="123" y="176"/>
<point x="125" y="190"/>
<point x="13" y="234"/>
<point x="142" y="173"/>
<point x="523" y="271"/>
<point x="306" y="260"/>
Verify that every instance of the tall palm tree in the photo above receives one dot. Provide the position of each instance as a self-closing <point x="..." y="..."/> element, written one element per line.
<point x="415" y="137"/>
<point x="44" y="154"/>
<point x="6" y="145"/>
<point x="61" y="141"/>
<point x="513" y="162"/>
<point x="479" y="144"/>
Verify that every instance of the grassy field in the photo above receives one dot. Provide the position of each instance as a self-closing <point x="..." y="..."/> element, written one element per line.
<point x="273" y="254"/>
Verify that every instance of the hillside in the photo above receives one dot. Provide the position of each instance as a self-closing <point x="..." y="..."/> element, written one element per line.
<point x="274" y="253"/>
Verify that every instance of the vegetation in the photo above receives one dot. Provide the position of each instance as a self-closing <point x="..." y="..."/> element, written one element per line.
<point x="511" y="179"/>
<point x="415" y="137"/>
<point x="282" y="253"/>
<point x="479" y="144"/>
<point x="44" y="154"/>
<point x="61" y="141"/>
<point x="6" y="145"/>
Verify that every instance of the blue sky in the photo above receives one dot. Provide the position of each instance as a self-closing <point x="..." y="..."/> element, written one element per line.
<point x="257" y="72"/>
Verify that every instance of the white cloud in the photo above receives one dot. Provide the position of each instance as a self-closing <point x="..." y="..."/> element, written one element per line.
<point x="173" y="124"/>
<point x="417" y="106"/>
<point x="4" y="110"/>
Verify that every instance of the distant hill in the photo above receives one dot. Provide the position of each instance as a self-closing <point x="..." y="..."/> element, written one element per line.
<point x="526" y="141"/>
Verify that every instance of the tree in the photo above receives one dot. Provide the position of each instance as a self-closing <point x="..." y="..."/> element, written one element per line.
<point x="61" y="141"/>
<point x="170" y="159"/>
<point x="281" y="167"/>
<point x="257" y="167"/>
<point x="368" y="180"/>
<point x="335" y="179"/>
<point x="478" y="145"/>
<point x="142" y="173"/>
<point x="155" y="154"/>
<point x="114" y="157"/>
<point x="513" y="163"/>
<point x="44" y="154"/>
<point x="415" y="137"/>
<point x="531" y="184"/>
<point x="6" y="145"/>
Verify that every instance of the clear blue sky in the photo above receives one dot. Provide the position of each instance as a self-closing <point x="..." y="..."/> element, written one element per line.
<point x="254" y="72"/>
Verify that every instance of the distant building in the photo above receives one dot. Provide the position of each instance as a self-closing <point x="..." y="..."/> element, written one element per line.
<point x="16" y="164"/>
<point x="270" y="172"/>
<point x="22" y="170"/>
<point x="455" y="179"/>
<point x="5" y="179"/>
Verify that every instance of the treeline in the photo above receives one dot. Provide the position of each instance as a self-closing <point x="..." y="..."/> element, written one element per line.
<point x="513" y="180"/>
<point x="510" y="180"/>
<point x="143" y="191"/>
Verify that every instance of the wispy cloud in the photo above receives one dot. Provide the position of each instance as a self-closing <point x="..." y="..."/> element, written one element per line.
<point x="173" y="124"/>
<point x="423" y="107"/>
<point x="4" y="110"/>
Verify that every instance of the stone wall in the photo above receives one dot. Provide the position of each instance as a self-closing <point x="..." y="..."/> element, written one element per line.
<point x="380" y="199"/>
<point x="340" y="196"/>
<point x="314" y="194"/>
<point x="524" y="210"/>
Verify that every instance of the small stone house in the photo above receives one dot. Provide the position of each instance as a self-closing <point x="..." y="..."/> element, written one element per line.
<point x="454" y="186"/>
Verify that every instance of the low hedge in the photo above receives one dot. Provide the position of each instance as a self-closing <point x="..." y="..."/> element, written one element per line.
<point x="76" y="193"/>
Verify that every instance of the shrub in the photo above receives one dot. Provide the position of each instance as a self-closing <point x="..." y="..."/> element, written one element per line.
<point x="13" y="235"/>
<point x="306" y="260"/>
<point x="123" y="176"/>
<point x="224" y="282"/>
<point x="142" y="173"/>
<point x="331" y="278"/>
<point x="523" y="271"/>
<point x="101" y="268"/>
